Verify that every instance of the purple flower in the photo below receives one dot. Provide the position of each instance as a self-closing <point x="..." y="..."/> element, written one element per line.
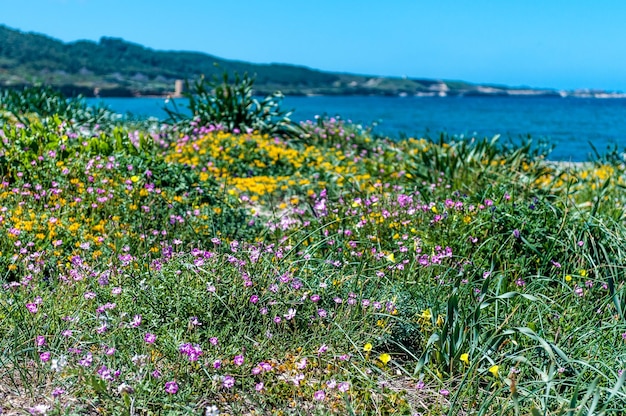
<point x="193" y="352"/>
<point x="319" y="395"/>
<point x="171" y="387"/>
<point x="343" y="387"/>
<point x="40" y="340"/>
<point x="101" y="329"/>
<point x="149" y="338"/>
<point x="322" y="349"/>
<point x="108" y="350"/>
<point x="217" y="364"/>
<point x="301" y="365"/>
<point x="32" y="307"/>
<point x="44" y="356"/>
<point x="254" y="299"/>
<point x="228" y="381"/>
<point x="259" y="386"/>
<point x="579" y="291"/>
<point x="57" y="392"/>
<point x="86" y="360"/>
<point x="136" y="321"/>
<point x="156" y="374"/>
<point x="238" y="360"/>
<point x="213" y="341"/>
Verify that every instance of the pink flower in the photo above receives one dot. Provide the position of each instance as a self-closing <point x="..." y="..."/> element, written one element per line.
<point x="136" y="321"/>
<point x="86" y="360"/>
<point x="40" y="340"/>
<point x="228" y="381"/>
<point x="108" y="350"/>
<point x="32" y="307"/>
<point x="319" y="395"/>
<point x="102" y="329"/>
<point x="343" y="387"/>
<point x="238" y="360"/>
<point x="57" y="392"/>
<point x="259" y="386"/>
<point x="149" y="338"/>
<point x="44" y="356"/>
<point x="171" y="387"/>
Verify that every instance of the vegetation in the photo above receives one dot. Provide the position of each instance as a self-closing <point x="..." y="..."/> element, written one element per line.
<point x="186" y="269"/>
<point x="233" y="108"/>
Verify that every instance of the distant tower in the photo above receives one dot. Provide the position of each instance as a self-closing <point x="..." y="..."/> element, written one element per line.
<point x="178" y="88"/>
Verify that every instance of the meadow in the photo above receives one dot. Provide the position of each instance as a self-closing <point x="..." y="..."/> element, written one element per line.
<point x="233" y="262"/>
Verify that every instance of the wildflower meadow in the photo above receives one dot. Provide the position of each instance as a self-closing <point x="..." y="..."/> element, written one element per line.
<point x="223" y="265"/>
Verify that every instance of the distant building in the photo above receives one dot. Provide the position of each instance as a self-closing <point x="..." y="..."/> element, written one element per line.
<point x="178" y="88"/>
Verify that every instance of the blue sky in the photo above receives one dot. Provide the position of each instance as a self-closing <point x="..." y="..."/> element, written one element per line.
<point x="564" y="44"/>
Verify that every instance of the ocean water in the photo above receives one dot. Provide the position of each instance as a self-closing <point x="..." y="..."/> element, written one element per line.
<point x="570" y="124"/>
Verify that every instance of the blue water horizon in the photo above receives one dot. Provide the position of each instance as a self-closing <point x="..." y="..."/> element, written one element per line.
<point x="574" y="126"/>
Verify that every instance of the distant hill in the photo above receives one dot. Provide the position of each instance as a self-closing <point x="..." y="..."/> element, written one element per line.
<point x="115" y="67"/>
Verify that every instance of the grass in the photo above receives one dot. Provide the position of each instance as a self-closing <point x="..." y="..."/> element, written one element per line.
<point x="149" y="269"/>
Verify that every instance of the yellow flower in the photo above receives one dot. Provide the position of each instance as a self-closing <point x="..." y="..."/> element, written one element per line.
<point x="465" y="358"/>
<point x="568" y="278"/>
<point x="384" y="358"/>
<point x="390" y="257"/>
<point x="583" y="272"/>
<point x="494" y="370"/>
<point x="134" y="178"/>
<point x="367" y="347"/>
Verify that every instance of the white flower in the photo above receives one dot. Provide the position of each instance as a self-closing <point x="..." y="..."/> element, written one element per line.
<point x="40" y="409"/>
<point x="125" y="388"/>
<point x="211" y="411"/>
<point x="290" y="314"/>
<point x="57" y="364"/>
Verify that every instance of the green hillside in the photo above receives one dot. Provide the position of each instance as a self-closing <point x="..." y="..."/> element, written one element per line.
<point x="115" y="67"/>
<point x="118" y="67"/>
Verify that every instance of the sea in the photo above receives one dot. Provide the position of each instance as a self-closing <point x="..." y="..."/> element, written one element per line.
<point x="577" y="129"/>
